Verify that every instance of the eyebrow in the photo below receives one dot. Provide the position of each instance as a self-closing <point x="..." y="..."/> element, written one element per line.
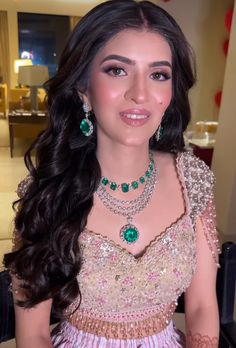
<point x="132" y="62"/>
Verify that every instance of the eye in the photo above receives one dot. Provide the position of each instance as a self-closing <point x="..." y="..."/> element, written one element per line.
<point x="160" y="76"/>
<point x="115" y="71"/>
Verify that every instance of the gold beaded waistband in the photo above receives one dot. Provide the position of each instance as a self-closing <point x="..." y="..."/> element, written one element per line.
<point x="122" y="330"/>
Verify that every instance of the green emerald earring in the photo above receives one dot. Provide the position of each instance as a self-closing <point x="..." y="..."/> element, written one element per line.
<point x="86" y="125"/>
<point x="159" y="133"/>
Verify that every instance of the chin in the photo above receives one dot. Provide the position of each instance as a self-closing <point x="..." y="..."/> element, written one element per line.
<point x="134" y="142"/>
<point x="124" y="138"/>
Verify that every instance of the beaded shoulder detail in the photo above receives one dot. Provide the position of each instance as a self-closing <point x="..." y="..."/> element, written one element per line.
<point x="23" y="186"/>
<point x="199" y="182"/>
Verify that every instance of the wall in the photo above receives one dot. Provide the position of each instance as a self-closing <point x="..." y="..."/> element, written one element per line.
<point x="13" y="44"/>
<point x="224" y="160"/>
<point x="202" y="21"/>
<point x="65" y="7"/>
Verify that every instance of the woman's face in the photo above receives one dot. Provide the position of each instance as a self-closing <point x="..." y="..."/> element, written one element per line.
<point x="130" y="87"/>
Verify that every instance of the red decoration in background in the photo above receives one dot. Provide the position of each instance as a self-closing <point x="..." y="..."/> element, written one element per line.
<point x="228" y="19"/>
<point x="218" y="98"/>
<point x="225" y="47"/>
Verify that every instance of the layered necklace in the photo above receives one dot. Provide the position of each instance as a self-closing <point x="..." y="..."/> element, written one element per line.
<point x="129" y="233"/>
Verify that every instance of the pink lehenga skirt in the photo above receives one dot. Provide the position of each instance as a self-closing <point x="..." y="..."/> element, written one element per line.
<point x="67" y="336"/>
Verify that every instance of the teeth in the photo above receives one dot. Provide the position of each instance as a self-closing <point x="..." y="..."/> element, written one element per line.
<point x="135" y="116"/>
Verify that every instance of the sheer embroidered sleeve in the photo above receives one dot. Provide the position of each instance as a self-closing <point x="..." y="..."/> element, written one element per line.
<point x="21" y="190"/>
<point x="208" y="219"/>
<point x="200" y="181"/>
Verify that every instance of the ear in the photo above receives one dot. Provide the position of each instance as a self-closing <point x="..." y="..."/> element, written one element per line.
<point x="85" y="99"/>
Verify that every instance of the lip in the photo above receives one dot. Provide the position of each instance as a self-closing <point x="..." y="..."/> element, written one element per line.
<point x="135" y="122"/>
<point x="135" y="111"/>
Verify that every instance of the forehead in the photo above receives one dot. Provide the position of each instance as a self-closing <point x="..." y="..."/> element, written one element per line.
<point x="138" y="45"/>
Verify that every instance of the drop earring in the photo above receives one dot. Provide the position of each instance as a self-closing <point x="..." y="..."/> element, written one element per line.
<point x="86" y="125"/>
<point x="159" y="133"/>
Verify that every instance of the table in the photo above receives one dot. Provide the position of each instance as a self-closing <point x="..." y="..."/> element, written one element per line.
<point x="16" y="118"/>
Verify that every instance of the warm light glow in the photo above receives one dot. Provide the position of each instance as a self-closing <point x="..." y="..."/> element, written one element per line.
<point x="21" y="62"/>
<point x="27" y="55"/>
<point x="34" y="75"/>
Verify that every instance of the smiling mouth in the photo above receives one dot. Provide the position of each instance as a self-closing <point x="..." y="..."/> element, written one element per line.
<point x="135" y="116"/>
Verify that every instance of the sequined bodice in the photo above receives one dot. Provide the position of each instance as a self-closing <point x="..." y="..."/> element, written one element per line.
<point x="127" y="296"/>
<point x="111" y="278"/>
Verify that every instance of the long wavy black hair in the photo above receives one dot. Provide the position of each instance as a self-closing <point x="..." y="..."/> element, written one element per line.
<point x="54" y="209"/>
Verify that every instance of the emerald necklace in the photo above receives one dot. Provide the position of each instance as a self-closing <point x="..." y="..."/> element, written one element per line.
<point x="126" y="187"/>
<point x="129" y="233"/>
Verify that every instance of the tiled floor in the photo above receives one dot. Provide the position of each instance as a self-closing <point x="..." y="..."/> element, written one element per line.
<point x="8" y="344"/>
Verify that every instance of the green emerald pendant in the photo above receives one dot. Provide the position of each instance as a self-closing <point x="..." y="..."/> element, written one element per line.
<point x="86" y="127"/>
<point x="129" y="234"/>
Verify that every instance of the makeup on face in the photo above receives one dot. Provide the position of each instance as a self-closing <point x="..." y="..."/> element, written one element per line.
<point x="131" y="85"/>
<point x="116" y="67"/>
<point x="135" y="117"/>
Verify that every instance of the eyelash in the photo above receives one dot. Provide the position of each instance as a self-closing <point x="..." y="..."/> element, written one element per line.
<point x="164" y="76"/>
<point x="111" y="71"/>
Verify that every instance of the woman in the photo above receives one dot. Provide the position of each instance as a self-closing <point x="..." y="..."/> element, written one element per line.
<point x="116" y="220"/>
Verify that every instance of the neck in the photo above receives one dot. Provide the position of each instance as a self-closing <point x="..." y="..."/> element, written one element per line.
<point x="123" y="163"/>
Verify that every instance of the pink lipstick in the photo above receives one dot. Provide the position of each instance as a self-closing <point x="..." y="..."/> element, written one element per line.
<point x="135" y="117"/>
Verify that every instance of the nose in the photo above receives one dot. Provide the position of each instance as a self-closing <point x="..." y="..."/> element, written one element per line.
<point x="137" y="91"/>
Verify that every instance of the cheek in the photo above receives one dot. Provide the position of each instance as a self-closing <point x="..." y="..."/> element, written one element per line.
<point x="166" y="95"/>
<point x="103" y="93"/>
<point x="167" y="99"/>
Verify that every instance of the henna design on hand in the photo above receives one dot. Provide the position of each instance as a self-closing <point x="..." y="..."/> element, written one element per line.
<point x="197" y="340"/>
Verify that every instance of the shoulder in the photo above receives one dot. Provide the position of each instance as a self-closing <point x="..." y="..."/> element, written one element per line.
<point x="194" y="170"/>
<point x="164" y="160"/>
<point x="198" y="180"/>
<point x="24" y="185"/>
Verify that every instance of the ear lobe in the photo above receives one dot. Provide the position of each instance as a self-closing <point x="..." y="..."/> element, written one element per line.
<point x="81" y="96"/>
<point x="84" y="98"/>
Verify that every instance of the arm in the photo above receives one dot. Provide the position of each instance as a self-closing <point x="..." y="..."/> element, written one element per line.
<point x="202" y="319"/>
<point x="32" y="325"/>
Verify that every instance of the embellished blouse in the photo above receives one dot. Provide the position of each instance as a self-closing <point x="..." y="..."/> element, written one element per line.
<point x="123" y="296"/>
